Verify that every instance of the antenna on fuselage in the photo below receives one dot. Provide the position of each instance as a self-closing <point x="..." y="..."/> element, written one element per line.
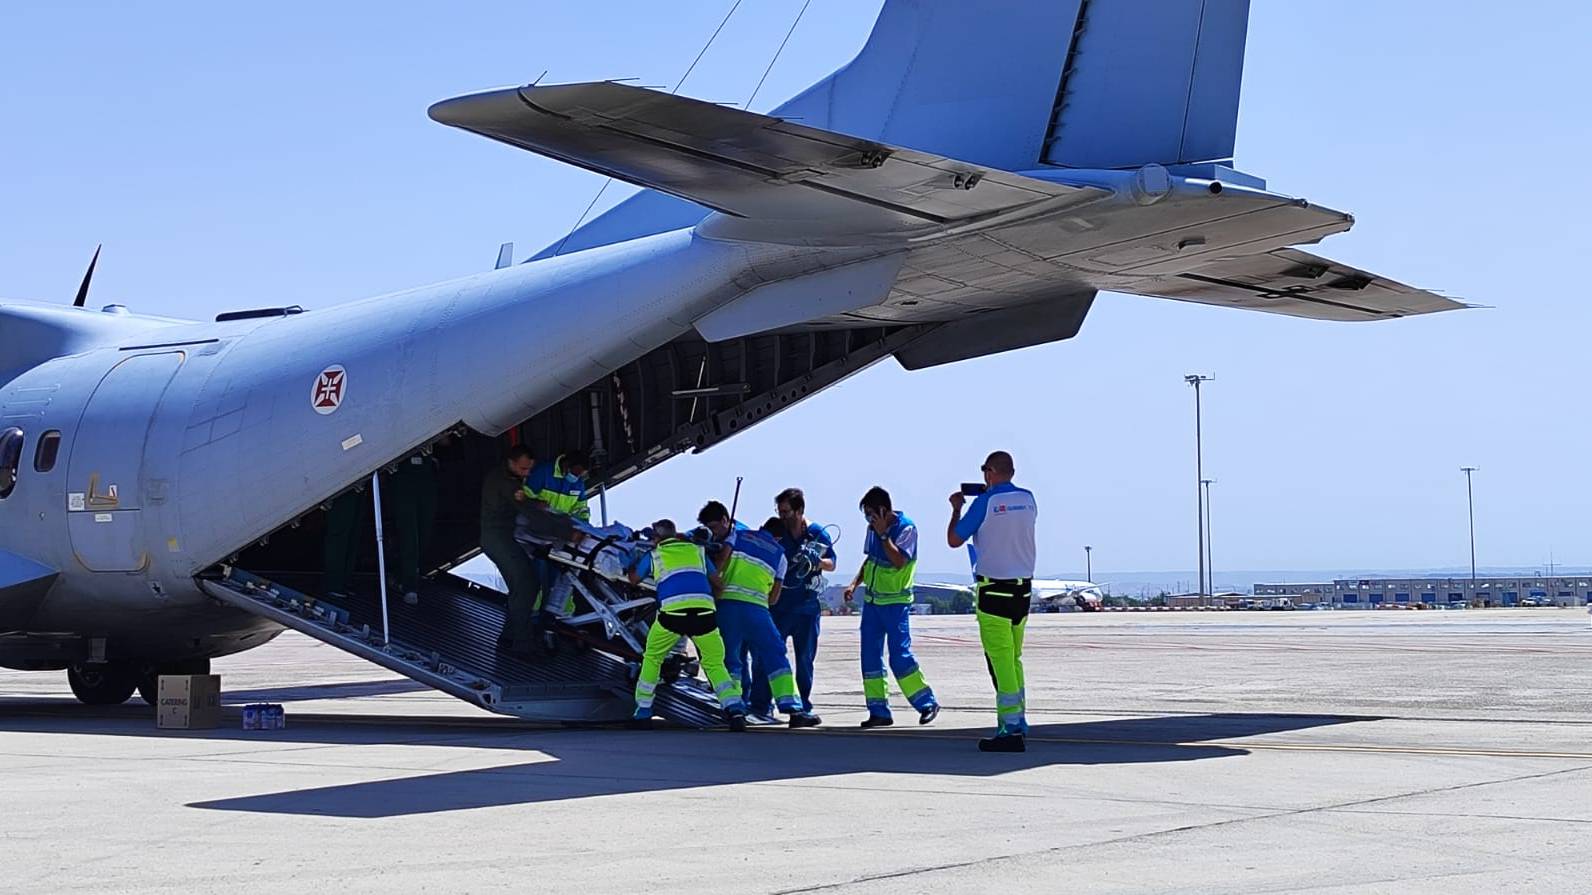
<point x="82" y="289"/>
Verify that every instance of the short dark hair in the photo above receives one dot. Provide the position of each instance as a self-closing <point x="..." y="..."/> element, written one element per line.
<point x="516" y="453"/>
<point x="577" y="457"/>
<point x="664" y="528"/>
<point x="794" y="497"/>
<point x="1000" y="462"/>
<point x="876" y="499"/>
<point x="713" y="511"/>
<point x="774" y="526"/>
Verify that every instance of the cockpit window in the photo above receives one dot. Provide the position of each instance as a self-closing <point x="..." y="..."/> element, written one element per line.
<point x="44" y="455"/>
<point x="10" y="459"/>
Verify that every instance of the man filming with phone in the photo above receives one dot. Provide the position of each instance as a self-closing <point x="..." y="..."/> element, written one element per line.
<point x="1000" y="523"/>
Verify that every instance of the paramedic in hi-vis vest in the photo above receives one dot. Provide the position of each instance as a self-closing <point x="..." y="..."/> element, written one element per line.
<point x="751" y="573"/>
<point x="1000" y="523"/>
<point x="679" y="570"/>
<point x="886" y="574"/>
<point x="559" y="486"/>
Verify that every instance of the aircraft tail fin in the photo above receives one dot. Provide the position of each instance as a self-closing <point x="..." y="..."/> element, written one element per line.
<point x="1015" y="85"/>
<point x="1149" y="81"/>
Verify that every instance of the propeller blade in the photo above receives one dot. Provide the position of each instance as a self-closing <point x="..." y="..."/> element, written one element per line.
<point x="82" y="291"/>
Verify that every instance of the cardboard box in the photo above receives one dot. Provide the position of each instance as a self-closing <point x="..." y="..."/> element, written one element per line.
<point x="189" y="701"/>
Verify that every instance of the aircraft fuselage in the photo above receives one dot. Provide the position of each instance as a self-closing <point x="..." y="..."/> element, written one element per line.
<point x="182" y="444"/>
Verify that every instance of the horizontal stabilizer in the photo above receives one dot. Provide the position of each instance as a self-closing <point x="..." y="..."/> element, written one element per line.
<point x="1299" y="284"/>
<point x="784" y="182"/>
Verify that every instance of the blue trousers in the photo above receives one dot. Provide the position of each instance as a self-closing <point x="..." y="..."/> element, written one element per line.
<point x="889" y="626"/>
<point x="749" y="630"/>
<point x="801" y="629"/>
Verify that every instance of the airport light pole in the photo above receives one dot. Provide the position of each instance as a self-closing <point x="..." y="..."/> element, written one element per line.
<point x="1195" y="379"/>
<point x="1088" y="564"/>
<point x="1470" y="503"/>
<point x="1210" y="564"/>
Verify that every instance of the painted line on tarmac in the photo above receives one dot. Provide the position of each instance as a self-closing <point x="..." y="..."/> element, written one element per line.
<point x="1244" y="744"/>
<point x="1387" y="750"/>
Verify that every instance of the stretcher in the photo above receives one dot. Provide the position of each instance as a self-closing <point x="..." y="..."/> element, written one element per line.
<point x="591" y="565"/>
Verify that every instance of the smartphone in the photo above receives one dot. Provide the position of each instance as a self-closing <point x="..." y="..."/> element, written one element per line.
<point x="973" y="489"/>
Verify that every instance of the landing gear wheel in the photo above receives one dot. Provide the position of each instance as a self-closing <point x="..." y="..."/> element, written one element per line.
<point x="149" y="682"/>
<point x="102" y="684"/>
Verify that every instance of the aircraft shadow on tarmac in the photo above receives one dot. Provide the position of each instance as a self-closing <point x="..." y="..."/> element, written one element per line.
<point x="576" y="764"/>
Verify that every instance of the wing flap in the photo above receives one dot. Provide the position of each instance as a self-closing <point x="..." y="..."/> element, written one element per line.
<point x="752" y="167"/>
<point x="1299" y="284"/>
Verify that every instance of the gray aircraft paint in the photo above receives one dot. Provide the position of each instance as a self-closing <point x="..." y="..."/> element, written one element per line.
<point x="209" y="435"/>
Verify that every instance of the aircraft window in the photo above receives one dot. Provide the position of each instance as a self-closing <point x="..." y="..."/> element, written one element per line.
<point x="10" y="459"/>
<point x="44" y="454"/>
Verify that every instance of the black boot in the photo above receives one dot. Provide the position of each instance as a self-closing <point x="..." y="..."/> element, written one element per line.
<point x="542" y="635"/>
<point x="799" y="720"/>
<point x="1003" y="742"/>
<point x="738" y="723"/>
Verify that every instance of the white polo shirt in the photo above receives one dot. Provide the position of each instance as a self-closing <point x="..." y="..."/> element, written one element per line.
<point x="1000" y="523"/>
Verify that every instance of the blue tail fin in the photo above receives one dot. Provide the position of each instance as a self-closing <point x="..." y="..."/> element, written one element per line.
<point x="1016" y="84"/>
<point x="1149" y="81"/>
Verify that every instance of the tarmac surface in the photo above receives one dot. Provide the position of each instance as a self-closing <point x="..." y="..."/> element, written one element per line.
<point x="1171" y="752"/>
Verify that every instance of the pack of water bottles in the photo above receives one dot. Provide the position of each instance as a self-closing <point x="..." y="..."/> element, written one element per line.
<point x="264" y="716"/>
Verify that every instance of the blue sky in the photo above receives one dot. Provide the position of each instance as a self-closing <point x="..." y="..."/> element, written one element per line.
<point x="232" y="159"/>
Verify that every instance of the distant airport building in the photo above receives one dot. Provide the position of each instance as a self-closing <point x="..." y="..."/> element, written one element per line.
<point x="1370" y="593"/>
<point x="1206" y="601"/>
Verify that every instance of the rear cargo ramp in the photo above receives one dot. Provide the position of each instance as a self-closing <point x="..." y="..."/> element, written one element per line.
<point x="448" y="642"/>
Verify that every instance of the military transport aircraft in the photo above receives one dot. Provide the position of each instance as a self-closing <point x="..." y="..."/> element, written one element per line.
<point x="964" y="186"/>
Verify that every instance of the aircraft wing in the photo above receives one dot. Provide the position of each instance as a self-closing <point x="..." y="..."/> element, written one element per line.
<point x="1288" y="281"/>
<point x="774" y="174"/>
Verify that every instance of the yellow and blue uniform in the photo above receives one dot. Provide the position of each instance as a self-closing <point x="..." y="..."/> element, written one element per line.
<point x="564" y="493"/>
<point x="685" y="609"/>
<point x="886" y="614"/>
<point x="756" y="564"/>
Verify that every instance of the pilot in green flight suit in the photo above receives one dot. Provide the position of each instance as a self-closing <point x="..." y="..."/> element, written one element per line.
<point x="502" y="494"/>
